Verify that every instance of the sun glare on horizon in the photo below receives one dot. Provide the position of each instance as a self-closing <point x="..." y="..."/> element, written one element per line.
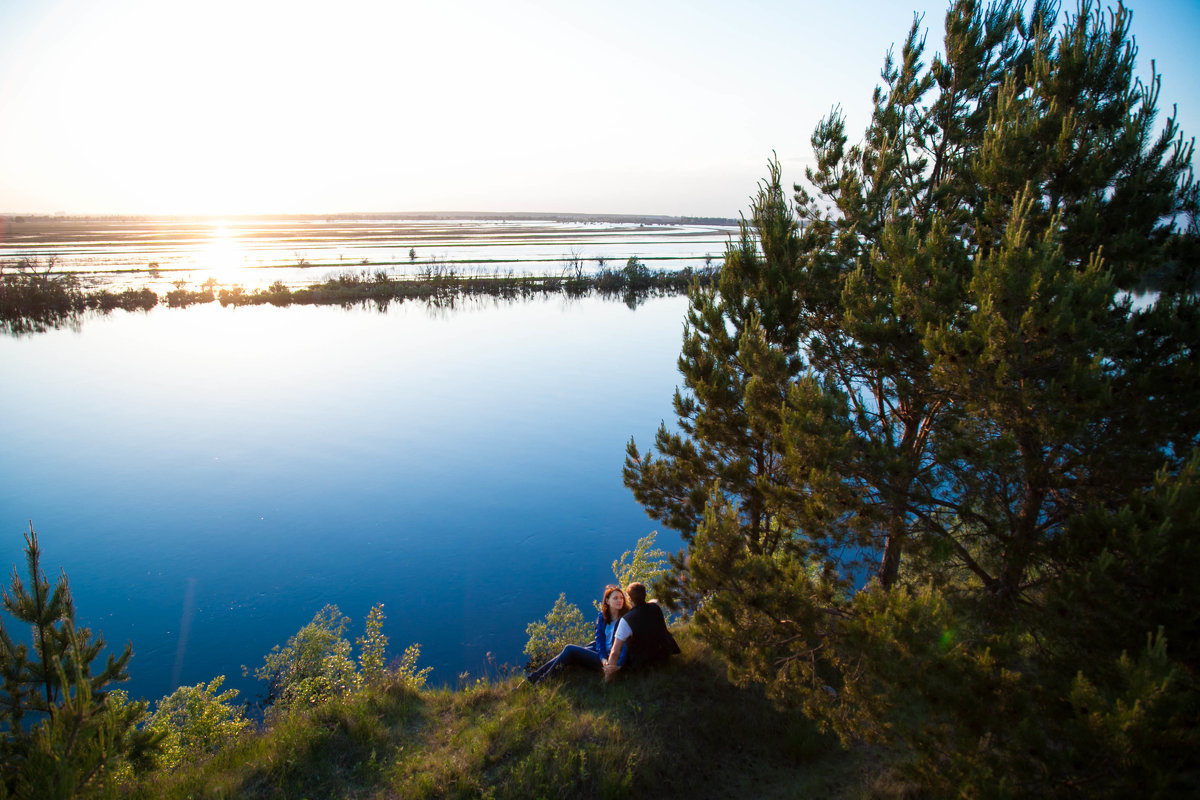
<point x="223" y="258"/>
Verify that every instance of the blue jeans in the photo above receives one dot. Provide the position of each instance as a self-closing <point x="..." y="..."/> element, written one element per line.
<point x="571" y="656"/>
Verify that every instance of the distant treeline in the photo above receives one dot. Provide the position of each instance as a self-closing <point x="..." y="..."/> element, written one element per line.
<point x="34" y="299"/>
<point x="645" y="219"/>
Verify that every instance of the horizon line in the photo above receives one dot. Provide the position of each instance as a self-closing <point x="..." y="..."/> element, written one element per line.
<point x="495" y="215"/>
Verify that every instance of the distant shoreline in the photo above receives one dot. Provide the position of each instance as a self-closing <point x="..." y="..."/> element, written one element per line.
<point x="515" y="216"/>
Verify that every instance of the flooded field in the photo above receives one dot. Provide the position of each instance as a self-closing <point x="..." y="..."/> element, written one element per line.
<point x="254" y="252"/>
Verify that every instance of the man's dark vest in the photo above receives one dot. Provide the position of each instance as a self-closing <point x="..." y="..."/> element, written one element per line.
<point x="651" y="641"/>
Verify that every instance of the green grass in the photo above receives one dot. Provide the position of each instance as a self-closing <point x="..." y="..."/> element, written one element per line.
<point x="679" y="731"/>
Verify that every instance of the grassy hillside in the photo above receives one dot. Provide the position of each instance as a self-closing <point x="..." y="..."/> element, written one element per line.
<point x="679" y="731"/>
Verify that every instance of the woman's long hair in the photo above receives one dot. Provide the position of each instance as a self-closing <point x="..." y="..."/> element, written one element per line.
<point x="604" y="609"/>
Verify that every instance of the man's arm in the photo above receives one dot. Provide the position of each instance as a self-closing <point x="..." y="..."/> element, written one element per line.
<point x="614" y="661"/>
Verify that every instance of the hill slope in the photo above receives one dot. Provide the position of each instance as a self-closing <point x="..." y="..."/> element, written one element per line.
<point x="679" y="731"/>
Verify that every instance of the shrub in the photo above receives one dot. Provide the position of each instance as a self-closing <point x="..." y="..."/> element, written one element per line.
<point x="563" y="625"/>
<point x="372" y="647"/>
<point x="314" y="666"/>
<point x="196" y="721"/>
<point x="406" y="672"/>
<point x="645" y="564"/>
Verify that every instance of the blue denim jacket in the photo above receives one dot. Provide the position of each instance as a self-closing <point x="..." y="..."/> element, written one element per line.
<point x="603" y="647"/>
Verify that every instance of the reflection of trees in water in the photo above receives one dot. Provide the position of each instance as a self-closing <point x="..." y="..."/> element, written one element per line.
<point x="441" y="287"/>
<point x="454" y="305"/>
<point x="19" y="326"/>
<point x="35" y="299"/>
<point x="445" y="306"/>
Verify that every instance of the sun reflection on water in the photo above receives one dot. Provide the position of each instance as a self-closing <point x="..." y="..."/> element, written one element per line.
<point x="223" y="258"/>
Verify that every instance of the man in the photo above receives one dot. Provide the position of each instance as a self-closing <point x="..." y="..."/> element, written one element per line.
<point x="643" y="632"/>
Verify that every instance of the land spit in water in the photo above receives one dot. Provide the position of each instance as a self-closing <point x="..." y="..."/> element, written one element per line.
<point x="32" y="301"/>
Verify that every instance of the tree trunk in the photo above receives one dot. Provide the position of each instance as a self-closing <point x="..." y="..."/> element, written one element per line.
<point x="889" y="567"/>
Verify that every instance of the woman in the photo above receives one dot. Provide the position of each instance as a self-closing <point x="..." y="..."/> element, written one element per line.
<point x="612" y="608"/>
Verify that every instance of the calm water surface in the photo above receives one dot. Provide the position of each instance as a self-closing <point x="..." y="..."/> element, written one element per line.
<point x="209" y="478"/>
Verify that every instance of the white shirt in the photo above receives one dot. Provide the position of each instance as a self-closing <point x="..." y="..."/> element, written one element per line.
<point x="623" y="630"/>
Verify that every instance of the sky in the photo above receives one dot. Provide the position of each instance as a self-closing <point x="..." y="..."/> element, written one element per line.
<point x="623" y="107"/>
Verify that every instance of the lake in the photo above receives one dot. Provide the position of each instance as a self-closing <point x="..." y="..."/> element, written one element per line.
<point x="210" y="477"/>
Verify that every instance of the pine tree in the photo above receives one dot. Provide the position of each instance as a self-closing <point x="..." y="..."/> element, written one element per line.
<point x="933" y="362"/>
<point x="61" y="733"/>
<point x="740" y="340"/>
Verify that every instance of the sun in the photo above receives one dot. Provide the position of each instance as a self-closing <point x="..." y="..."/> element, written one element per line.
<point x="223" y="258"/>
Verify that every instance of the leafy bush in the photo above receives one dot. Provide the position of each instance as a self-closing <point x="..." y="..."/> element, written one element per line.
<point x="372" y="647"/>
<point x="637" y="275"/>
<point x="563" y="625"/>
<point x="645" y="564"/>
<point x="314" y="666"/>
<point x="372" y="656"/>
<point x="406" y="673"/>
<point x="195" y="720"/>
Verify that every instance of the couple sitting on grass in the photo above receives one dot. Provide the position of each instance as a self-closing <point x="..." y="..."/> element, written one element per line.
<point x="630" y="634"/>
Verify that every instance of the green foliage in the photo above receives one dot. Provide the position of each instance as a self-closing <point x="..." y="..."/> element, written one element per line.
<point x="667" y="734"/>
<point x="928" y="364"/>
<point x="1087" y="694"/>
<point x="563" y="625"/>
<point x="636" y="274"/>
<point x="196" y="721"/>
<point x="646" y="563"/>
<point x="406" y="673"/>
<point x="313" y="667"/>
<point x="62" y="734"/>
<point x="372" y="647"/>
<point x="721" y="437"/>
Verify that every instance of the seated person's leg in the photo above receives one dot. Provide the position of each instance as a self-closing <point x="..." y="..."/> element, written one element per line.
<point x="545" y="669"/>
<point x="571" y="656"/>
<point x="575" y="656"/>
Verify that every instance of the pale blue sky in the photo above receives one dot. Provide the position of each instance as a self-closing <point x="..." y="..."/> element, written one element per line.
<point x="249" y="106"/>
